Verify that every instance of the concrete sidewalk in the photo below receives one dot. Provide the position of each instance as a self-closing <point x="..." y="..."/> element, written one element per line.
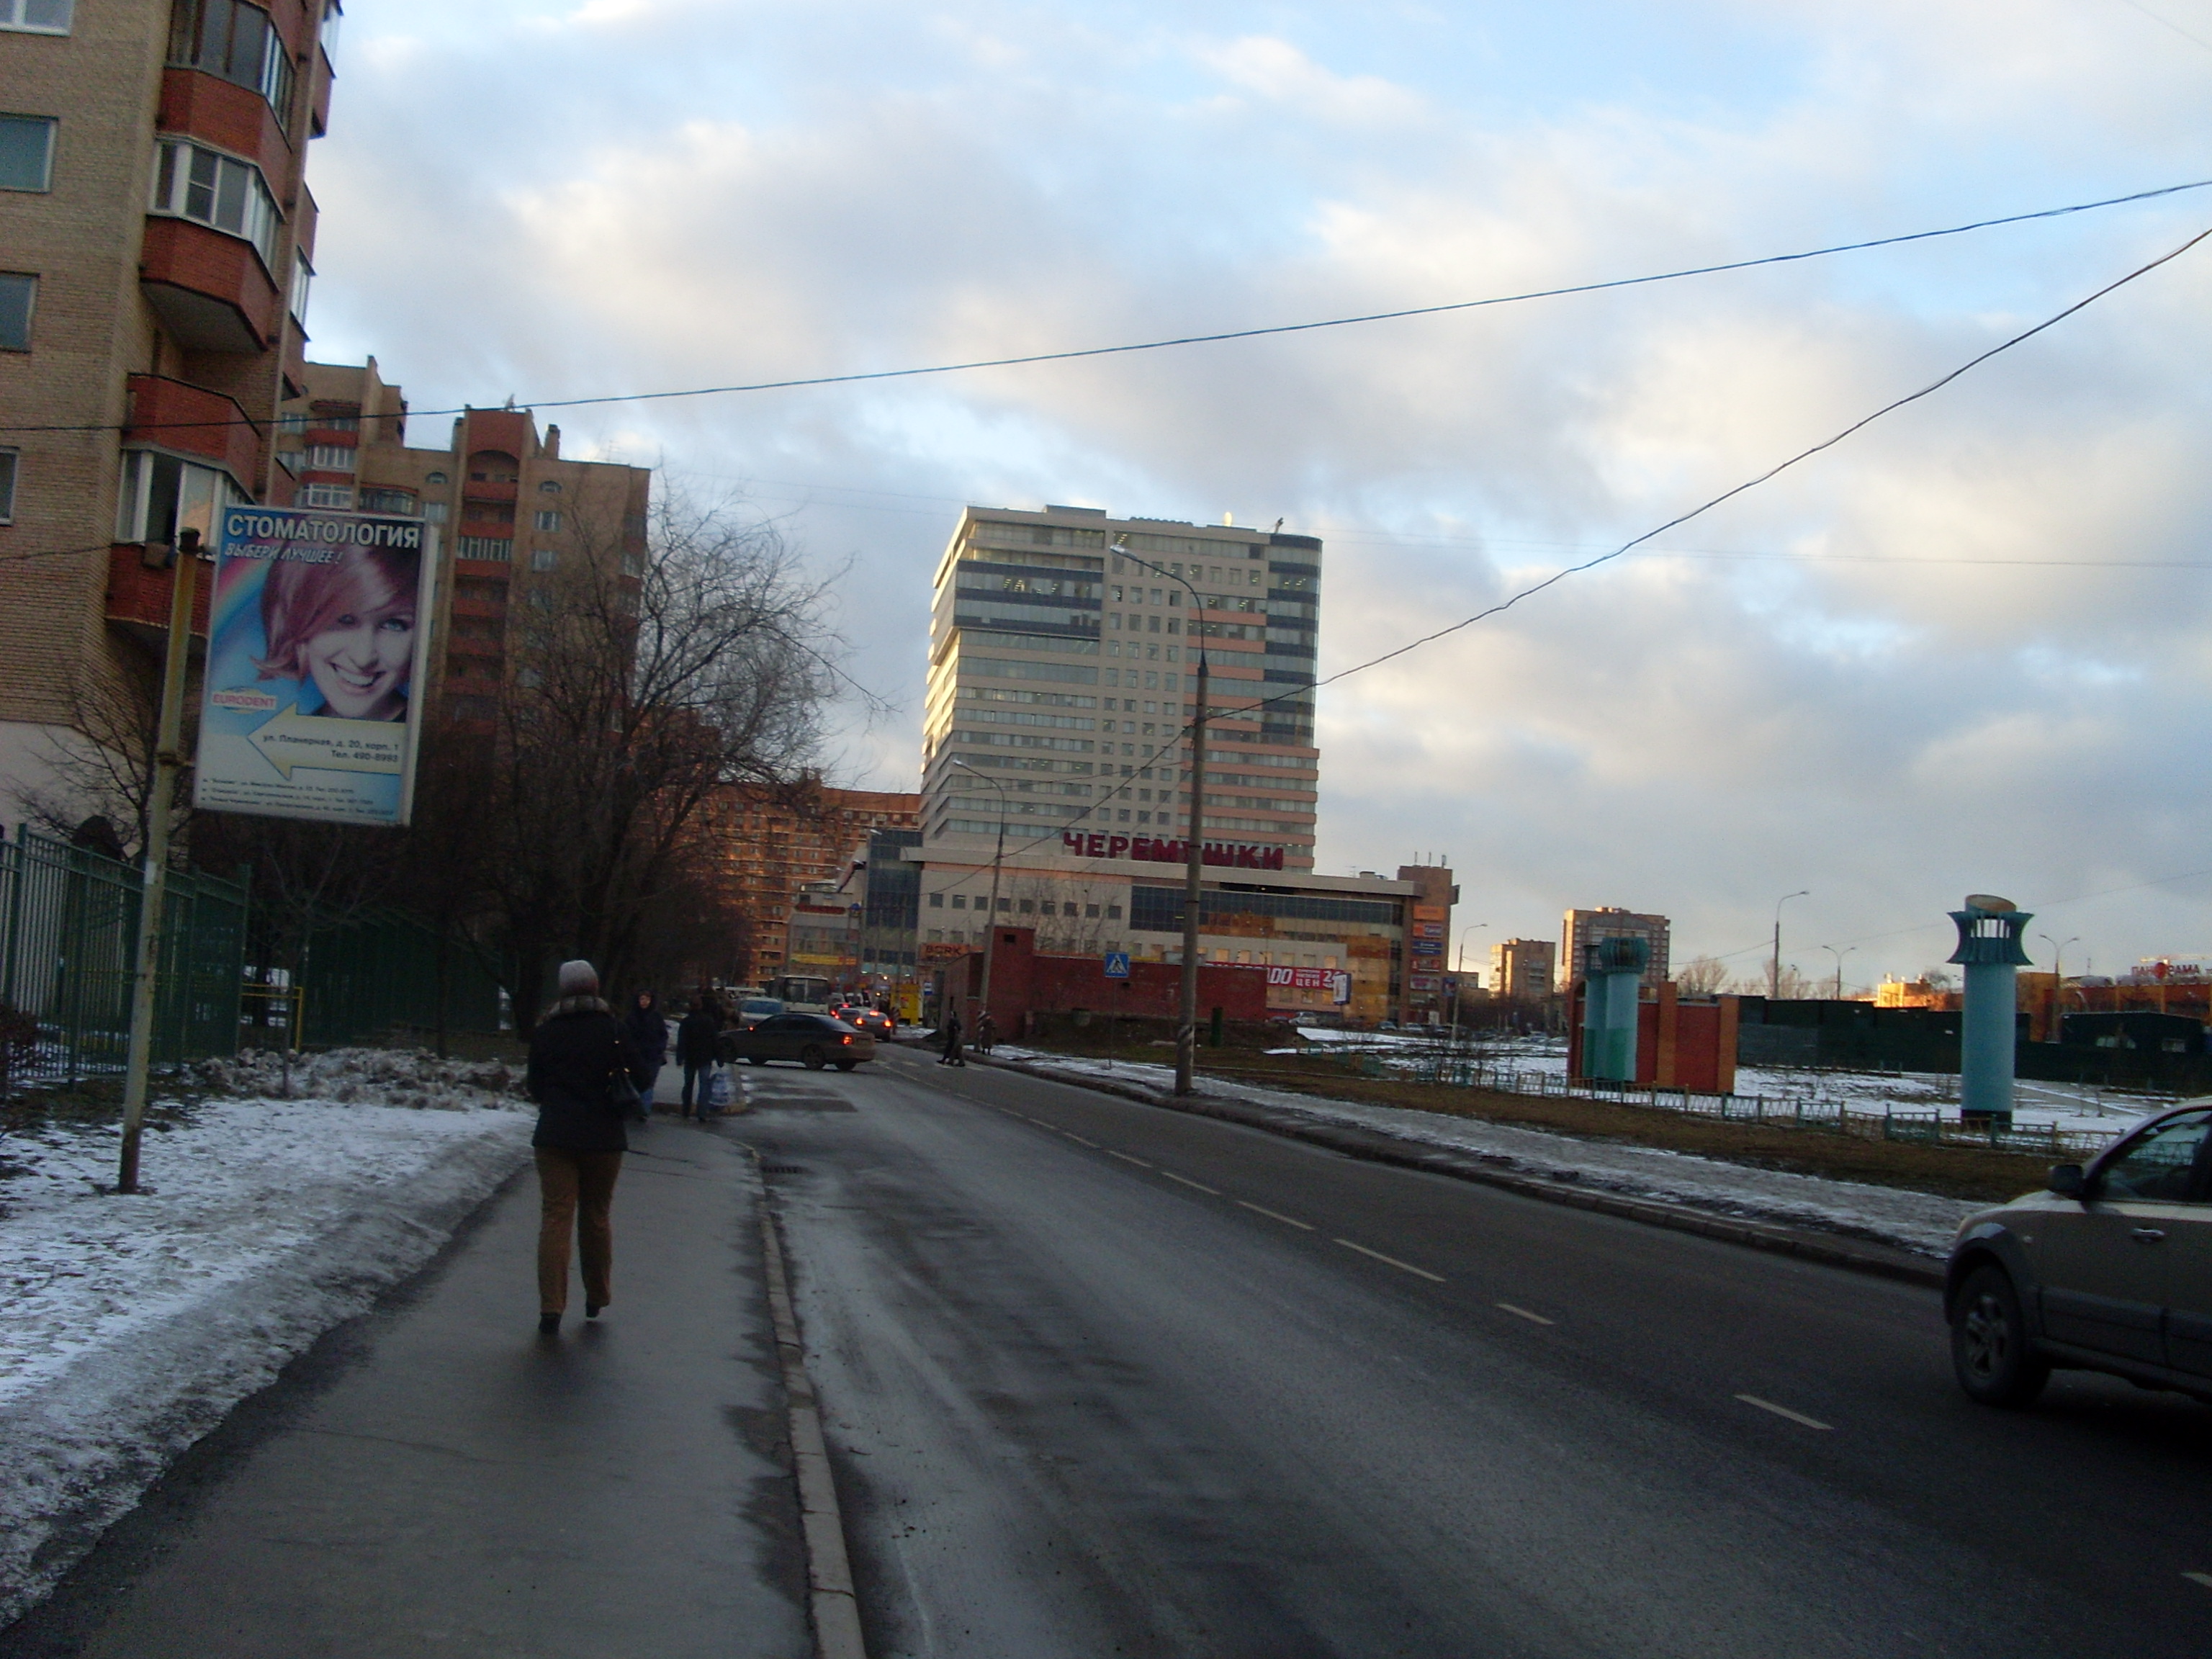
<point x="437" y="1478"/>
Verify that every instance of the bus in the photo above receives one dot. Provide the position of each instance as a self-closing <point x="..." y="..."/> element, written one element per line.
<point x="802" y="994"/>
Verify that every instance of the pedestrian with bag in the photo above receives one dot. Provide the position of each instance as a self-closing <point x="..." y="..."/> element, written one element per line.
<point x="647" y="1027"/>
<point x="583" y="1076"/>
<point x="951" y="1035"/>
<point x="987" y="1032"/>
<point x="695" y="1050"/>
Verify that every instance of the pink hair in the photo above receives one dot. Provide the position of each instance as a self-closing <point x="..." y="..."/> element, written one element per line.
<point x="300" y="600"/>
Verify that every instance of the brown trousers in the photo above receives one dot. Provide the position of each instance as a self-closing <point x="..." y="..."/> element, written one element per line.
<point x="575" y="1191"/>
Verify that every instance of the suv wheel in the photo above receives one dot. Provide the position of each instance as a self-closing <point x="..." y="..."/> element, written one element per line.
<point x="812" y="1058"/>
<point x="1988" y="1342"/>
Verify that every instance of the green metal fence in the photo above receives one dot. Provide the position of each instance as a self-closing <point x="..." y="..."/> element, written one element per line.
<point x="382" y="972"/>
<point x="69" y="930"/>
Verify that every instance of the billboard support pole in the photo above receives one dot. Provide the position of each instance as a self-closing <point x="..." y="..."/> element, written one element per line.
<point x="167" y="762"/>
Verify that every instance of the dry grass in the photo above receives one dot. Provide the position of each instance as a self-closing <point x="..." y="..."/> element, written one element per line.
<point x="1975" y="1174"/>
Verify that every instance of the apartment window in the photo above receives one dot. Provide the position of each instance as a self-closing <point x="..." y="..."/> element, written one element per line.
<point x="236" y="41"/>
<point x="227" y="195"/>
<point x="303" y="275"/>
<point x="26" y="152"/>
<point x="331" y="457"/>
<point x="633" y="564"/>
<point x="37" y="16"/>
<point x="937" y="900"/>
<point x="321" y="495"/>
<point x="17" y="296"/>
<point x="549" y="520"/>
<point x="435" y="511"/>
<point x="435" y="477"/>
<point x="7" y="486"/>
<point x="543" y="558"/>
<point x="162" y="495"/>
<point x="486" y="547"/>
<point x="551" y="487"/>
<point x="388" y="501"/>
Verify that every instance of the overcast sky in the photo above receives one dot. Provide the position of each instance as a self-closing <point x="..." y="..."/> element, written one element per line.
<point x="1966" y="650"/>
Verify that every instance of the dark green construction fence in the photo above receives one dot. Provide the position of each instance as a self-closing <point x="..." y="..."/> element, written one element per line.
<point x="69" y="932"/>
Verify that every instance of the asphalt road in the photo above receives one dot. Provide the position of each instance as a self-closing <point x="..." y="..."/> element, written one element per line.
<point x="1101" y="1378"/>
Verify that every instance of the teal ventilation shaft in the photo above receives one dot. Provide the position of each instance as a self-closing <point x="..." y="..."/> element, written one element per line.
<point x="1989" y="950"/>
<point x="1612" y="975"/>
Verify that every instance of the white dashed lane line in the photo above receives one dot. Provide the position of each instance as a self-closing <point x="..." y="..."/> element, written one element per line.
<point x="1080" y="1140"/>
<point x="1785" y="1410"/>
<point x="1187" y="1182"/>
<point x="2203" y="1578"/>
<point x="1392" y="1260"/>
<point x="1126" y="1158"/>
<point x="1275" y="1215"/>
<point x="1522" y="1313"/>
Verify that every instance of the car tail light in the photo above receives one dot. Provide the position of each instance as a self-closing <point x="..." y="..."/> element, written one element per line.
<point x="844" y="1039"/>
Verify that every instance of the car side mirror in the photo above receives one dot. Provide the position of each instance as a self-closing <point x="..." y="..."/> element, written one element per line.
<point x="2068" y="1180"/>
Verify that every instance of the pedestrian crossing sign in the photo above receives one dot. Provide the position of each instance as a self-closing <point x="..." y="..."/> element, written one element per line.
<point x="1117" y="964"/>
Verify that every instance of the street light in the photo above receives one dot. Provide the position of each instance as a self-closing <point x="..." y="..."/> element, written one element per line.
<point x="1839" y="956"/>
<point x="1774" y="972"/>
<point x="2058" y="981"/>
<point x="1194" y="840"/>
<point x="991" y="931"/>
<point x="1460" y="973"/>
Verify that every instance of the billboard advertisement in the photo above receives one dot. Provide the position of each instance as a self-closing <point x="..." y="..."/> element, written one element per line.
<point x="316" y="637"/>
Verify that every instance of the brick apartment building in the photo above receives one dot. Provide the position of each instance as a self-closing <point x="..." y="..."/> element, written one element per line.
<point x="1522" y="969"/>
<point x="512" y="513"/>
<point x="156" y="240"/>
<point x="1582" y="927"/>
<point x="784" y="846"/>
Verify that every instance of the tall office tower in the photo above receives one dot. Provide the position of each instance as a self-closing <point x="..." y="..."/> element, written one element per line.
<point x="1061" y="656"/>
<point x="155" y="232"/>
<point x="514" y="516"/>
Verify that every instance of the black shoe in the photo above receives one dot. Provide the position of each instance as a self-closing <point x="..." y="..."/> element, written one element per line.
<point x="591" y="1311"/>
<point x="548" y="1324"/>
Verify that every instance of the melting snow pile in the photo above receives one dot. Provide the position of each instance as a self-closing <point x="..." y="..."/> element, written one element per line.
<point x="133" y="1325"/>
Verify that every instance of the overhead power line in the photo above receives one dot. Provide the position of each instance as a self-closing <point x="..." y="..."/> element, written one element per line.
<point x="1222" y="337"/>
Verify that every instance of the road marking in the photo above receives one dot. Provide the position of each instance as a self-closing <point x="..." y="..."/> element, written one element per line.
<point x="1272" y="1215"/>
<point x="1522" y="1313"/>
<point x="2203" y="1578"/>
<point x="1126" y="1158"/>
<point x="1785" y="1410"/>
<point x="1187" y="1182"/>
<point x="1405" y="1266"/>
<point x="1080" y="1140"/>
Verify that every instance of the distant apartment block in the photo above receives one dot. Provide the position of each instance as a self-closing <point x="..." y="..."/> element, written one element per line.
<point x="782" y="848"/>
<point x="1523" y="969"/>
<point x="1584" y="926"/>
<point x="512" y="515"/>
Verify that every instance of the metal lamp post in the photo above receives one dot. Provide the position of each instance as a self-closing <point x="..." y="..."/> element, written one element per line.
<point x="1459" y="974"/>
<point x="2058" y="980"/>
<point x="1774" y="972"/>
<point x="998" y="858"/>
<point x="1839" y="956"/>
<point x="1194" y="840"/>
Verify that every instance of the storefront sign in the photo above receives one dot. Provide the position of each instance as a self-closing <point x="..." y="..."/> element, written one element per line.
<point x="1334" y="980"/>
<point x="316" y="635"/>
<point x="1149" y="850"/>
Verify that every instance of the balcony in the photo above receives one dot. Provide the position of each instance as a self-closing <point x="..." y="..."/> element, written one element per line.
<point x="229" y="116"/>
<point x="176" y="415"/>
<point x="138" y="599"/>
<point x="208" y="288"/>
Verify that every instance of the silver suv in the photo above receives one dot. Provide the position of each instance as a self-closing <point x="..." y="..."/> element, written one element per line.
<point x="2108" y="1270"/>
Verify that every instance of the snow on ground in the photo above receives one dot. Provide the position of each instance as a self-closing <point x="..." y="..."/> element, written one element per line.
<point x="135" y="1324"/>
<point x="2068" y="1106"/>
<point x="1921" y="1222"/>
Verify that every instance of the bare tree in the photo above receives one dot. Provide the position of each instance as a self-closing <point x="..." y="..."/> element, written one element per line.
<point x="643" y="679"/>
<point x="100" y="765"/>
<point x="1701" y="977"/>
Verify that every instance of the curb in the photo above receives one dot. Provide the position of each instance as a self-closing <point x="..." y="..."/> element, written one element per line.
<point x="834" y="1608"/>
<point x="1377" y="1146"/>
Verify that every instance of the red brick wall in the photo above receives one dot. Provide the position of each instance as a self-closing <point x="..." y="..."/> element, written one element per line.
<point x="1022" y="981"/>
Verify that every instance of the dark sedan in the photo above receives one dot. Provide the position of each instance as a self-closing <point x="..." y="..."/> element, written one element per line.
<point x="2110" y="1269"/>
<point x="813" y="1039"/>
<point x="874" y="1021"/>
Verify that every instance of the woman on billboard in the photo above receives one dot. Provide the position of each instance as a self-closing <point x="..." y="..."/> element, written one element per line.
<point x="347" y="629"/>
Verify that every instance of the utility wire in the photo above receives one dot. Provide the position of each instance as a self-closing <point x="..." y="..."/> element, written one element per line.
<point x="1079" y="352"/>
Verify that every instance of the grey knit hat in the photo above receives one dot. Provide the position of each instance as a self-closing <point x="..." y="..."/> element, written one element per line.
<point x="579" y="979"/>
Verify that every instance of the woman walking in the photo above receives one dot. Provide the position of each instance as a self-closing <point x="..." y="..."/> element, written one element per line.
<point x="576" y="1053"/>
<point x="950" y="1033"/>
<point x="647" y="1030"/>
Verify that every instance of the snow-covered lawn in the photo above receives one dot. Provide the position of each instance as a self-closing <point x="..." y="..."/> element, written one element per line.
<point x="133" y="1325"/>
<point x="1921" y="1222"/>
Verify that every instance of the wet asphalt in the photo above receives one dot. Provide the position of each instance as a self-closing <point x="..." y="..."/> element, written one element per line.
<point x="1101" y="1378"/>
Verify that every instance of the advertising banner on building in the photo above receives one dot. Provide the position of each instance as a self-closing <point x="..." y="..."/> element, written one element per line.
<point x="316" y="634"/>
<point x="1334" y="980"/>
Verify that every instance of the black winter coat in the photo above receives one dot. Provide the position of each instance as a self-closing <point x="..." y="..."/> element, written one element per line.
<point x="695" y="1036"/>
<point x="647" y="1030"/>
<point x="575" y="1052"/>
